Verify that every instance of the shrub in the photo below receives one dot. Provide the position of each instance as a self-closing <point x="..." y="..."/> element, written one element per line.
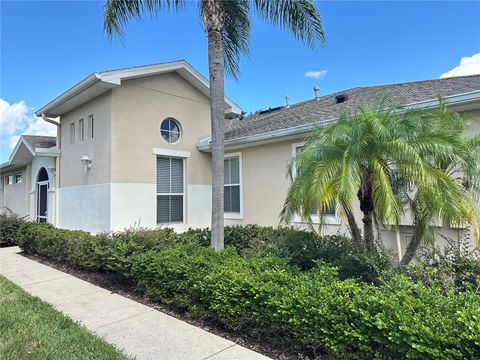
<point x="114" y="252"/>
<point x="244" y="238"/>
<point x="53" y="243"/>
<point x="117" y="251"/>
<point x="9" y="226"/>
<point x="456" y="267"/>
<point x="313" y="311"/>
<point x="304" y="249"/>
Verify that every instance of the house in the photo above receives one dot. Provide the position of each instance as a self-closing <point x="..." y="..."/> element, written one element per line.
<point x="133" y="148"/>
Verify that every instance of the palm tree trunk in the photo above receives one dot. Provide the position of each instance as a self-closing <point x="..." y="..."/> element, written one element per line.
<point x="411" y="249"/>
<point x="356" y="234"/>
<point x="217" y="114"/>
<point x="368" y="230"/>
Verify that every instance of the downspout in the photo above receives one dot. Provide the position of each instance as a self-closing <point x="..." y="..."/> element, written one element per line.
<point x="57" y="166"/>
<point x="399" y="243"/>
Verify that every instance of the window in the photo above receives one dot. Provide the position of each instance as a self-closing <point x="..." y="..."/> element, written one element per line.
<point x="169" y="190"/>
<point x="81" y="130"/>
<point x="72" y="133"/>
<point x="9" y="179"/>
<point x="1" y="184"/>
<point x="232" y="186"/>
<point x="18" y="178"/>
<point x="90" y="126"/>
<point x="170" y="130"/>
<point x="328" y="213"/>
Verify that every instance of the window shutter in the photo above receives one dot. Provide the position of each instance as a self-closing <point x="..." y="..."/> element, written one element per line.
<point x="163" y="175"/>
<point x="176" y="175"/>
<point x="169" y="190"/>
<point x="231" y="199"/>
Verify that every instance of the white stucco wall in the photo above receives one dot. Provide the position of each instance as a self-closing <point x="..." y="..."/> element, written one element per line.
<point x="85" y="207"/>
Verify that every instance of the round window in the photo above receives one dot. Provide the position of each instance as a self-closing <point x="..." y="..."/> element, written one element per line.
<point x="170" y="130"/>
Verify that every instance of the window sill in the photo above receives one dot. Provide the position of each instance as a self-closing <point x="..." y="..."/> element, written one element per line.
<point x="327" y="220"/>
<point x="233" y="216"/>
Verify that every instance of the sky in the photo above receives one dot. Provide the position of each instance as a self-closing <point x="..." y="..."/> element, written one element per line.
<point x="46" y="47"/>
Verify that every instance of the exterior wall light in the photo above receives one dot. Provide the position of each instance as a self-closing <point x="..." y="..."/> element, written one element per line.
<point x="86" y="162"/>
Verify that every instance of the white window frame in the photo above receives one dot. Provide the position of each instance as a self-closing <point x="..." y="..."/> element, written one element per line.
<point x="316" y="219"/>
<point x="91" y="126"/>
<point x="7" y="180"/>
<point x="162" y="154"/>
<point x="81" y="130"/>
<point x="73" y="131"/>
<point x="21" y="178"/>
<point x="229" y="215"/>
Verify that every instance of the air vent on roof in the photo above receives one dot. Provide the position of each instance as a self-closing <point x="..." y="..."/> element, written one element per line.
<point x="269" y="110"/>
<point x="341" y="98"/>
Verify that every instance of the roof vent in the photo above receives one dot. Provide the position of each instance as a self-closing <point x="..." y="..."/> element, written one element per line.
<point x="316" y="90"/>
<point x="341" y="98"/>
<point x="269" y="110"/>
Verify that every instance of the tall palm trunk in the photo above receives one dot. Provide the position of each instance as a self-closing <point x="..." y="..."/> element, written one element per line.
<point x="412" y="248"/>
<point x="214" y="21"/>
<point x="366" y="206"/>
<point x="356" y="234"/>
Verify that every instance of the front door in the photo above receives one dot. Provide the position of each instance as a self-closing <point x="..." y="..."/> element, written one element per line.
<point x="42" y="202"/>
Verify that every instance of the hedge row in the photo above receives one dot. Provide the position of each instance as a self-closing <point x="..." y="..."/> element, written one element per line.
<point x="312" y="311"/>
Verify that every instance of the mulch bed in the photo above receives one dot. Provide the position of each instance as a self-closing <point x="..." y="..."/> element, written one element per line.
<point x="127" y="288"/>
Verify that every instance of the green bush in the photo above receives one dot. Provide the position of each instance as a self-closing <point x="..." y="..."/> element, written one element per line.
<point x="9" y="227"/>
<point x="296" y="300"/>
<point x="456" y="267"/>
<point x="117" y="251"/>
<point x="114" y="252"/>
<point x="304" y="249"/>
<point x="244" y="238"/>
<point x="314" y="311"/>
<point x="53" y="243"/>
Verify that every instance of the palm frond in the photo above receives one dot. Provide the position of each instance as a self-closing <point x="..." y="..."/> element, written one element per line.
<point x="300" y="17"/>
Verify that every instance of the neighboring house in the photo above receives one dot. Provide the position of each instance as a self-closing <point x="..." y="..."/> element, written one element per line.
<point x="27" y="181"/>
<point x="134" y="149"/>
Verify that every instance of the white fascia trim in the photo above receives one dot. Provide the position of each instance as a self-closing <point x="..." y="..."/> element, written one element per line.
<point x="172" y="153"/>
<point x="203" y="144"/>
<point x="236" y="216"/>
<point x="116" y="76"/>
<point x="73" y="91"/>
<point x="14" y="151"/>
<point x="452" y="100"/>
<point x="54" y="152"/>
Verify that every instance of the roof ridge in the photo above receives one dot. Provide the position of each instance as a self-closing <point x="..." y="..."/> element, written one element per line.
<point x="418" y="81"/>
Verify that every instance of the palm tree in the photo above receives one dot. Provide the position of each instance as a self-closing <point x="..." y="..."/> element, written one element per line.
<point x="377" y="153"/>
<point x="453" y="202"/>
<point x="227" y="24"/>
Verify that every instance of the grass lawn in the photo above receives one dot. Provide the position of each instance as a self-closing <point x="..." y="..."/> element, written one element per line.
<point x="32" y="329"/>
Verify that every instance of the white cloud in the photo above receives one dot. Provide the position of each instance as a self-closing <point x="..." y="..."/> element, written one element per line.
<point x="17" y="119"/>
<point x="469" y="65"/>
<point x="12" y="117"/>
<point x="316" y="74"/>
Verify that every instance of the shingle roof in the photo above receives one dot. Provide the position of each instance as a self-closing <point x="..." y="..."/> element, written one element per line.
<point x="37" y="141"/>
<point x="326" y="108"/>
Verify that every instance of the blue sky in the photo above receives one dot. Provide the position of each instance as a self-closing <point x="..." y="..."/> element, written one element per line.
<point x="47" y="47"/>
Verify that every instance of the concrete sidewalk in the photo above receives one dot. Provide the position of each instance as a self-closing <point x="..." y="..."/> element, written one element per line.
<point x="137" y="329"/>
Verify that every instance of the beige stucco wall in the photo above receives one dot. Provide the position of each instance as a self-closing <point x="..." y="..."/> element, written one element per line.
<point x="138" y="108"/>
<point x="71" y="172"/>
<point x="265" y="184"/>
<point x="14" y="196"/>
